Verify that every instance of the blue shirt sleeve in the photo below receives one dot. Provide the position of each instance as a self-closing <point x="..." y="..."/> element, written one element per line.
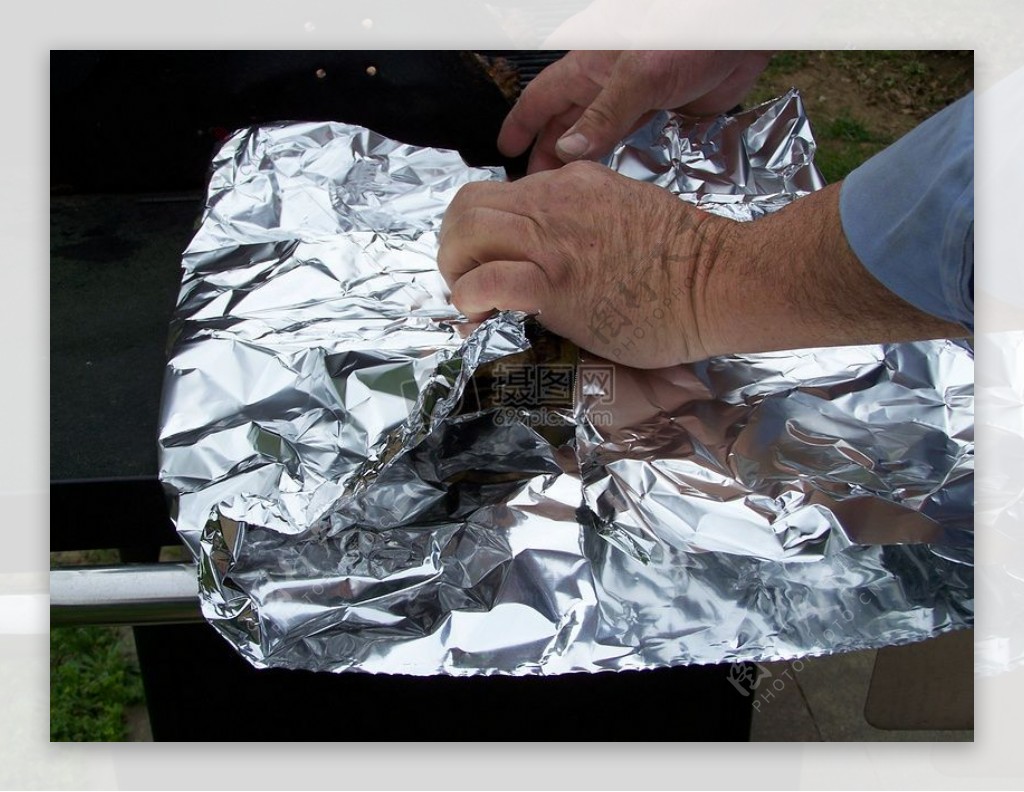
<point x="908" y="214"/>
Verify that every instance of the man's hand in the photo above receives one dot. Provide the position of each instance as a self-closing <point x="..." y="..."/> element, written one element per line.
<point x="580" y="106"/>
<point x="628" y="271"/>
<point x="608" y="262"/>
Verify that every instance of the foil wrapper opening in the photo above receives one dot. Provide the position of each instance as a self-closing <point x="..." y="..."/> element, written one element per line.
<point x="365" y="484"/>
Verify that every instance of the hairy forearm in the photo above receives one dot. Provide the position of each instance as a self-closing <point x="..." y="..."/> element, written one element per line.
<point x="790" y="280"/>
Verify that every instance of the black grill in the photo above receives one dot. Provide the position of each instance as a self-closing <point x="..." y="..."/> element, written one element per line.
<point x="528" y="63"/>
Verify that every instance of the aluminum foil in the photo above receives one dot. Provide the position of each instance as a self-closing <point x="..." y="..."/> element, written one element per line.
<point x="359" y="494"/>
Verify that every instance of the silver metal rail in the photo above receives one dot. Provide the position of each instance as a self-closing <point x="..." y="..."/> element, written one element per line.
<point x="125" y="594"/>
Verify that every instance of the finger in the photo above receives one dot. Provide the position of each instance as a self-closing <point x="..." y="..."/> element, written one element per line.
<point x="501" y="286"/>
<point x="481" y="234"/>
<point x="607" y="119"/>
<point x="556" y="89"/>
<point x="544" y="159"/>
<point x="543" y="156"/>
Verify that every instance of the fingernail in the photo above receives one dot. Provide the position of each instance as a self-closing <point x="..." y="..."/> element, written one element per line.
<point x="574" y="145"/>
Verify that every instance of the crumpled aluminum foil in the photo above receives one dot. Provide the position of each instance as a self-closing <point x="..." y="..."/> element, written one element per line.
<point x="353" y="502"/>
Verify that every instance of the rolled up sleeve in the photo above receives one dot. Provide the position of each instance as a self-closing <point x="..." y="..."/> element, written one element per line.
<point x="908" y="214"/>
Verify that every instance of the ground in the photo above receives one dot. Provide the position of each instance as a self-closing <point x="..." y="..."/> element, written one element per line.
<point x="859" y="102"/>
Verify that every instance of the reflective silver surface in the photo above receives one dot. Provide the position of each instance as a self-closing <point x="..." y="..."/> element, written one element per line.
<point x="356" y="498"/>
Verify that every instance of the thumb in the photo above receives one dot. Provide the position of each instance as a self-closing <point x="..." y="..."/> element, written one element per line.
<point x="609" y="118"/>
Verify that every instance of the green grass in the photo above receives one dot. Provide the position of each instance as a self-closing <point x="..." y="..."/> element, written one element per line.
<point x="93" y="677"/>
<point x="94" y="674"/>
<point x="835" y="159"/>
<point x="844" y="143"/>
<point x="882" y="95"/>
<point x="786" y="61"/>
<point x="846" y="128"/>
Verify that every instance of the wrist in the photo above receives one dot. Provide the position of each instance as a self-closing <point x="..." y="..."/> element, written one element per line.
<point x="703" y="245"/>
<point x="790" y="280"/>
<point x="766" y="282"/>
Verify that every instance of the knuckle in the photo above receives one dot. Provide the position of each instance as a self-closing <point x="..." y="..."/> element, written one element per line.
<point x="585" y="173"/>
<point x="583" y="167"/>
<point x="466" y="196"/>
<point x="461" y="195"/>
<point x="454" y="209"/>
<point x="535" y="190"/>
<point x="468" y="225"/>
<point x="534" y="238"/>
<point x="469" y="221"/>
